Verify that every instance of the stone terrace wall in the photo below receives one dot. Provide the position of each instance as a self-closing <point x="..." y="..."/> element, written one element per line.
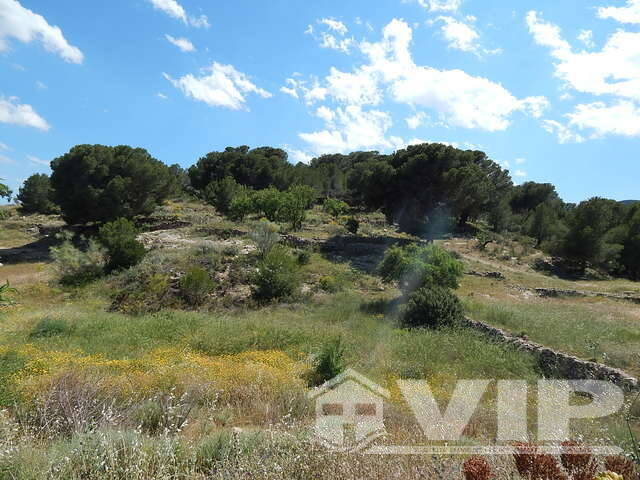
<point x="558" y="364"/>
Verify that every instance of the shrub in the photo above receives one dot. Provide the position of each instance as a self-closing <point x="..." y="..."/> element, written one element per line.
<point x="220" y="194"/>
<point x="265" y="235"/>
<point x="5" y="291"/>
<point x="329" y="284"/>
<point x="433" y="307"/>
<point x="119" y="238"/>
<point x="76" y="266"/>
<point x="293" y="208"/>
<point x="415" y="266"/>
<point x="352" y="224"/>
<point x="241" y="206"/>
<point x="329" y="363"/>
<point x="95" y="183"/>
<point x="476" y="468"/>
<point x="277" y="275"/>
<point x="304" y="257"/>
<point x="196" y="285"/>
<point x="335" y="208"/>
<point x="49" y="327"/>
<point x="268" y="203"/>
<point x="35" y="196"/>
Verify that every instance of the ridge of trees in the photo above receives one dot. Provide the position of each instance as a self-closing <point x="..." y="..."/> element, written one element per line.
<point x="426" y="189"/>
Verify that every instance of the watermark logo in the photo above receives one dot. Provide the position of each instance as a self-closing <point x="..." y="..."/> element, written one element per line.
<point x="350" y="413"/>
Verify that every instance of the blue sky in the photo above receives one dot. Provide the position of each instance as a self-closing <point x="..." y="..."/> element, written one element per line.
<point x="549" y="89"/>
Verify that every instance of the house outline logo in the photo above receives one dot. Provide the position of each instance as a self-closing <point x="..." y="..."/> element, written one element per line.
<point x="349" y="411"/>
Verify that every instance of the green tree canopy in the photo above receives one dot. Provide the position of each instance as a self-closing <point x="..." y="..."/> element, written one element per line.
<point x="97" y="183"/>
<point x="5" y="191"/>
<point x="36" y="195"/>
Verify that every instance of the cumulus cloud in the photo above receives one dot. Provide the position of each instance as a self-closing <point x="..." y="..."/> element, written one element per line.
<point x="628" y="14"/>
<point x="177" y="11"/>
<point x="218" y="86"/>
<point x="352" y="128"/>
<point x="26" y="26"/>
<point x="613" y="71"/>
<point x="620" y="118"/>
<point x="416" y="120"/>
<point x="183" y="44"/>
<point x="459" y="35"/>
<point x="586" y="37"/>
<point x="24" y="115"/>
<point x="334" y="35"/>
<point x="440" y="5"/>
<point x="562" y="132"/>
<point x="298" y="156"/>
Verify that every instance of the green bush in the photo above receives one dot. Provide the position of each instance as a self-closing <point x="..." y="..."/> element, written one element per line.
<point x="5" y="291"/>
<point x="195" y="286"/>
<point x="335" y="208"/>
<point x="329" y="363"/>
<point x="415" y="266"/>
<point x="304" y="257"/>
<point x="241" y="205"/>
<point x="277" y="275"/>
<point x="352" y="225"/>
<point x="50" y="327"/>
<point x="329" y="284"/>
<point x="433" y="307"/>
<point x="268" y="203"/>
<point x="265" y="235"/>
<point x="119" y="238"/>
<point x="220" y="194"/>
<point x="76" y="266"/>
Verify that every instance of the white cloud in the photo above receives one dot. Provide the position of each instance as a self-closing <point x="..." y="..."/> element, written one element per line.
<point x="20" y="114"/>
<point x="183" y="44"/>
<point x="358" y="88"/>
<point x="440" y="5"/>
<point x="162" y="96"/>
<point x="177" y="11"/>
<point x="334" y="36"/>
<point x="521" y="161"/>
<point x="37" y="161"/>
<point x="459" y="35"/>
<point x="621" y="118"/>
<point x="335" y="25"/>
<point x="4" y="160"/>
<point x="41" y="85"/>
<point x="26" y="26"/>
<point x="562" y="132"/>
<point x="350" y="129"/>
<point x="586" y="37"/>
<point x="298" y="156"/>
<point x="628" y="14"/>
<point x="416" y="120"/>
<point x="219" y="86"/>
<point x="325" y="113"/>
<point x="614" y="70"/>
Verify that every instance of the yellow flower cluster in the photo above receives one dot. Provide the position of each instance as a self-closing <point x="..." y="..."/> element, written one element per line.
<point x="609" y="476"/>
<point x="250" y="373"/>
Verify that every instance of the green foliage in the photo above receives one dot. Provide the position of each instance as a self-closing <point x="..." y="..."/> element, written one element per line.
<point x="36" y="195"/>
<point x="630" y="255"/>
<point x="5" y="191"/>
<point x="258" y="168"/>
<point x="241" y="205"/>
<point x="196" y="285"/>
<point x="267" y="203"/>
<point x="432" y="307"/>
<point x="5" y="291"/>
<point x="329" y="283"/>
<point x="304" y="257"/>
<point x="95" y="183"/>
<point x="265" y="235"/>
<point x="352" y="225"/>
<point x="415" y="266"/>
<point x="329" y="363"/>
<point x="277" y="276"/>
<point x="76" y="266"/>
<point x="335" y="208"/>
<point x="293" y="206"/>
<point x="221" y="193"/>
<point x="50" y="327"/>
<point x="119" y="238"/>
